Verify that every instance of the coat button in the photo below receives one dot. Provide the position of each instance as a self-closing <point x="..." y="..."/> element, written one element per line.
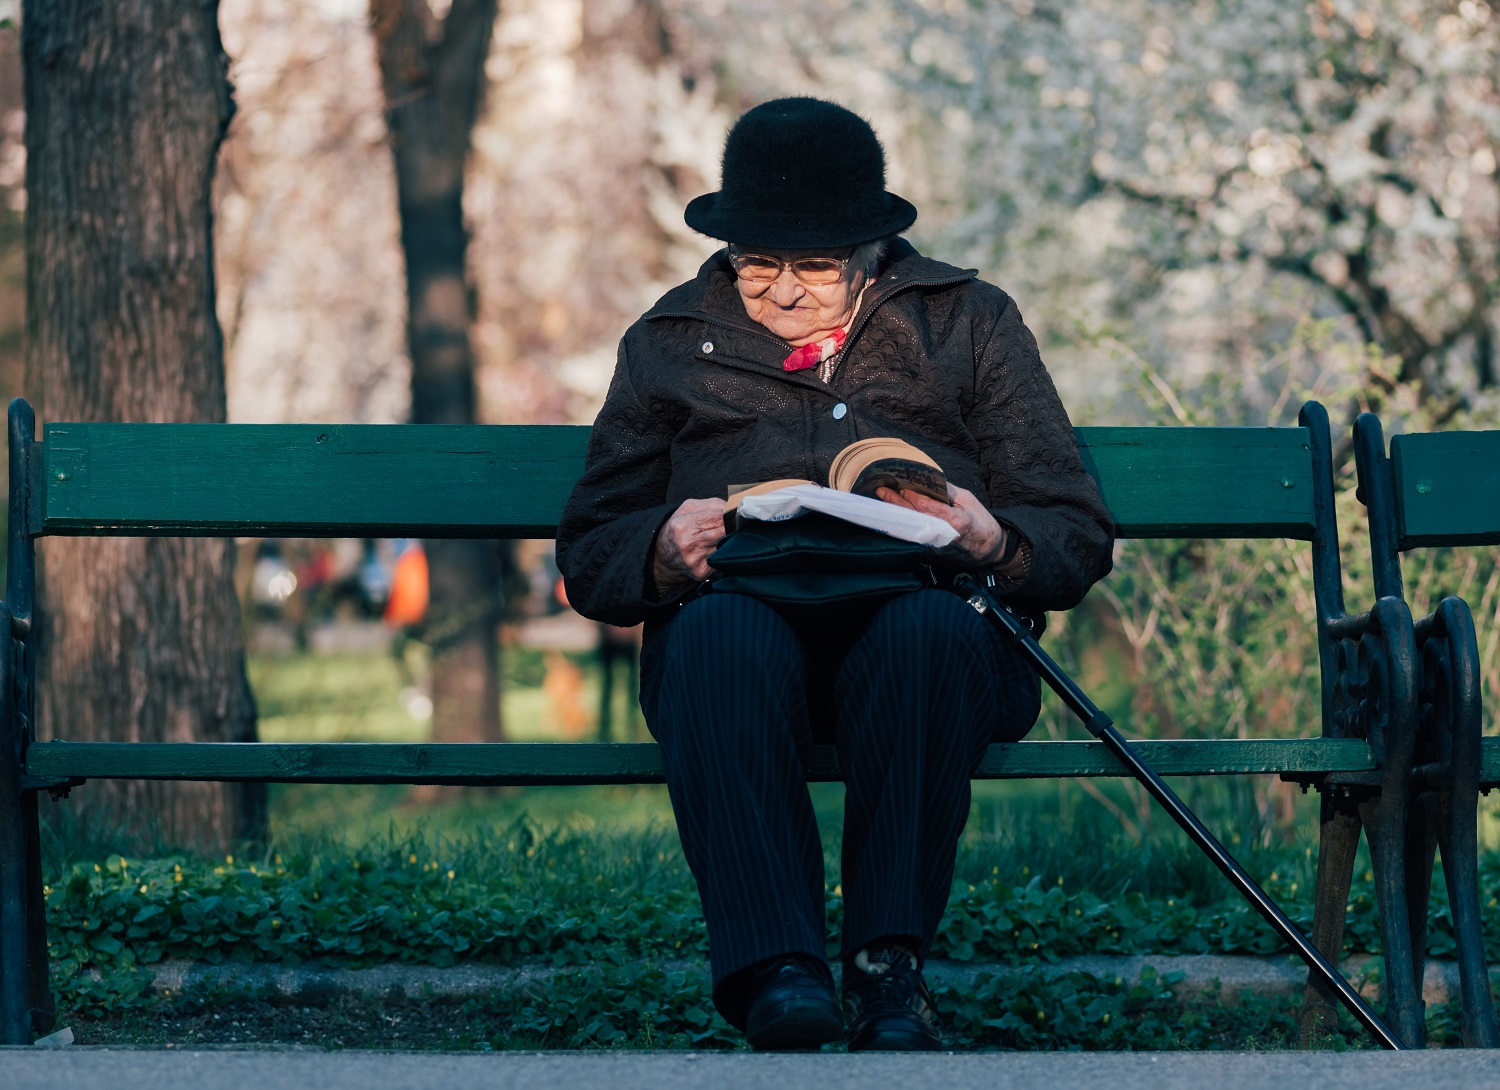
<point x="708" y="346"/>
<point x="840" y="411"/>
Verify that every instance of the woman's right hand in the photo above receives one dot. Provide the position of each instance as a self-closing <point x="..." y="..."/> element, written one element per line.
<point x="682" y="547"/>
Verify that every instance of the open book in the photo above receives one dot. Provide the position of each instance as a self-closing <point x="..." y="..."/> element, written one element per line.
<point x="857" y="472"/>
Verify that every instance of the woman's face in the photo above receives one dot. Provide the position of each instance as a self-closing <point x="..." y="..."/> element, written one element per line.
<point x="799" y="313"/>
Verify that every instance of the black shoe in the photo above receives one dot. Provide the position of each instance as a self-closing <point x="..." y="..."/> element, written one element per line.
<point x="887" y="1003"/>
<point x="794" y="1008"/>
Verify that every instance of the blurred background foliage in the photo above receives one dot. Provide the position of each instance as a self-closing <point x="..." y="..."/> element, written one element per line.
<point x="1184" y="182"/>
<point x="1207" y="211"/>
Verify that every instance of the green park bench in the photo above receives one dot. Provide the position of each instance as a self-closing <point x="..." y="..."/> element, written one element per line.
<point x="512" y="481"/>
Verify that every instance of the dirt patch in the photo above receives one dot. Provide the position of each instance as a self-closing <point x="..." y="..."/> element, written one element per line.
<point x="343" y="1022"/>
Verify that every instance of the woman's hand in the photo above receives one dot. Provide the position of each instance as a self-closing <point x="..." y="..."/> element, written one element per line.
<point x="981" y="540"/>
<point x="682" y="547"/>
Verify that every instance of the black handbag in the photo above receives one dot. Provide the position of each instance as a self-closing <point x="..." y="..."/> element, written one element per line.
<point x="821" y="572"/>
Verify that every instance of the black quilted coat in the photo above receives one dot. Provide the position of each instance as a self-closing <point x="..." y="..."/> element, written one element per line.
<point x="936" y="357"/>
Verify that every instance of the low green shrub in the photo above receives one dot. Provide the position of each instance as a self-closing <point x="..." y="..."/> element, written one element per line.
<point x="563" y="897"/>
<point x="996" y="921"/>
<point x="571" y="898"/>
<point x="1030" y="1011"/>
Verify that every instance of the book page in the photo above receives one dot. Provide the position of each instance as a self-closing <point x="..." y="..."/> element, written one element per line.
<point x="886" y="518"/>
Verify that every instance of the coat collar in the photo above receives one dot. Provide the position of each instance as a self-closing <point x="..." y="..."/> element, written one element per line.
<point x="712" y="295"/>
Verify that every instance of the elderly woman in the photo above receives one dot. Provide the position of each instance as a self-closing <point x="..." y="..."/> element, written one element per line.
<point x="817" y="326"/>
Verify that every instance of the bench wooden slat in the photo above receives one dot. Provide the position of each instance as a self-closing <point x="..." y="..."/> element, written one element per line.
<point x="1203" y="482"/>
<point x="594" y="763"/>
<point x="1489" y="763"/>
<point x="299" y="480"/>
<point x="1447" y="488"/>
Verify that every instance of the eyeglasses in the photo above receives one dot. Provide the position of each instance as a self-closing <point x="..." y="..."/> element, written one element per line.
<point x="764" y="269"/>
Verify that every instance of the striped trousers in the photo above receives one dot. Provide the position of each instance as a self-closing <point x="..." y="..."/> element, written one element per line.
<point x="736" y="697"/>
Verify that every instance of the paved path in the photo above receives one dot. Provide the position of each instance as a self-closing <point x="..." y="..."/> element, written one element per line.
<point x="143" y="1069"/>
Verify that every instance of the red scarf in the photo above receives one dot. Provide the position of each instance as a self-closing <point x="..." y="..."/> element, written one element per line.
<point x="810" y="355"/>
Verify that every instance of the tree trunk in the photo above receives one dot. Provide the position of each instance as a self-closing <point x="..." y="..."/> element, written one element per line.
<point x="432" y="71"/>
<point x="139" y="639"/>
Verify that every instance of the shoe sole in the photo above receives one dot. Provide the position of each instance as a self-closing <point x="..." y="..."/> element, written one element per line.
<point x="796" y="1027"/>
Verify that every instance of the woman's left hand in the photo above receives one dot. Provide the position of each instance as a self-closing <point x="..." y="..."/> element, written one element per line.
<point x="981" y="539"/>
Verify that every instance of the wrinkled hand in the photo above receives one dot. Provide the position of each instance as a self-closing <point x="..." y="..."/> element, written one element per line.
<point x="981" y="540"/>
<point x="682" y="547"/>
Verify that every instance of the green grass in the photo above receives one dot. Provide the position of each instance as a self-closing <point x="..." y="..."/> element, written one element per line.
<point x="356" y="696"/>
<point x="331" y="698"/>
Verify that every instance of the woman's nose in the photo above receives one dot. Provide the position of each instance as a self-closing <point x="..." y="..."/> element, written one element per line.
<point x="786" y="289"/>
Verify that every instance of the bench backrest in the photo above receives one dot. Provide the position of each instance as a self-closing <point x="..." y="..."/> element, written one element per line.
<point x="442" y="481"/>
<point x="1447" y="488"/>
<point x="298" y="480"/>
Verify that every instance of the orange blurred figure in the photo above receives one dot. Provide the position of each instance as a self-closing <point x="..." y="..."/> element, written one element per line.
<point x="563" y="684"/>
<point x="407" y="605"/>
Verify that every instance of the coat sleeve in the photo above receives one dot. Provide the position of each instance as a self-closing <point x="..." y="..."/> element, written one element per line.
<point x="1033" y="469"/>
<point x="608" y="530"/>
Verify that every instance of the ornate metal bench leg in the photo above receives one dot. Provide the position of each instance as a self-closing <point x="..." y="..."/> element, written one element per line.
<point x="1376" y="698"/>
<point x="1338" y="841"/>
<point x="15" y="1014"/>
<point x="1385" y="824"/>
<point x="1457" y="836"/>
<point x="1422" y="821"/>
<point x="38" y="977"/>
<point x="1452" y="728"/>
<point x="25" y="990"/>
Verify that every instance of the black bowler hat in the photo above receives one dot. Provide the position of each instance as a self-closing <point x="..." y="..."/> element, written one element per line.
<point x="800" y="173"/>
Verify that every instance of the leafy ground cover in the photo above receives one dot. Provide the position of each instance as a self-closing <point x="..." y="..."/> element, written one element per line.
<point x="574" y="898"/>
<point x="601" y="906"/>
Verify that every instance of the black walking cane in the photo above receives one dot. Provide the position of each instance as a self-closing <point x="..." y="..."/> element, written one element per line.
<point x="1102" y="727"/>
